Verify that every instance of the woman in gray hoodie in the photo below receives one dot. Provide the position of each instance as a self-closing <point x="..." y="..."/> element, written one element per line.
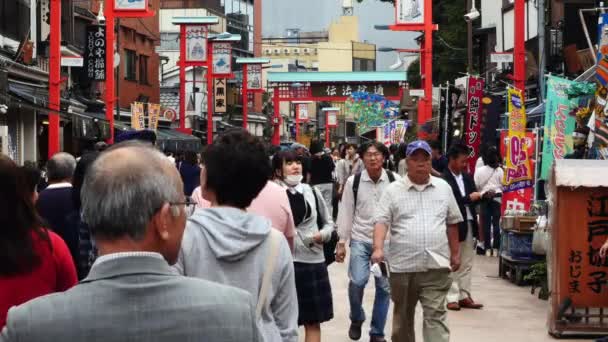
<point x="314" y="227"/>
<point x="227" y="245"/>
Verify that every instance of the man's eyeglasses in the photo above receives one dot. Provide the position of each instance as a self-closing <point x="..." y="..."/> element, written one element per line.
<point x="372" y="155"/>
<point x="189" y="206"/>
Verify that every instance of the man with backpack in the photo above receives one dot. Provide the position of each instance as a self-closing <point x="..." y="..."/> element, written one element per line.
<point x="355" y="222"/>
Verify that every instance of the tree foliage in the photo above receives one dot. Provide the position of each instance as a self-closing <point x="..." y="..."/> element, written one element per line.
<point x="449" y="43"/>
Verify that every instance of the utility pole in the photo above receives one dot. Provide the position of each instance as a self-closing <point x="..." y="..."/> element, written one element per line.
<point x="541" y="50"/>
<point x="519" y="48"/>
<point x="469" y="40"/>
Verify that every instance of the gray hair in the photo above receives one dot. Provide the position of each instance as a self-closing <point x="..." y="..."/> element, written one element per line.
<point x="125" y="187"/>
<point x="60" y="167"/>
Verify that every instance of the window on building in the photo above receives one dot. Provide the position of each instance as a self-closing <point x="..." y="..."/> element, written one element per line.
<point x="14" y="19"/>
<point x="169" y="41"/>
<point x="143" y="69"/>
<point x="130" y="64"/>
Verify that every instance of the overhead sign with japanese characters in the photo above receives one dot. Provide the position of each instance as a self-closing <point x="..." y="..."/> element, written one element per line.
<point x="222" y="58"/>
<point x="473" y="119"/>
<point x="254" y="76"/>
<point x="347" y="89"/>
<point x="220" y="95"/>
<point x="95" y="54"/>
<point x="409" y="12"/>
<point x="196" y="43"/>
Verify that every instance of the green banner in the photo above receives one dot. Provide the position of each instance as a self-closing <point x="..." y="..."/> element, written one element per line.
<point x="559" y="125"/>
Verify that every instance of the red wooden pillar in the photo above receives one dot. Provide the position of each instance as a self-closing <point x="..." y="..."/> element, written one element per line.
<point x="54" y="77"/>
<point x="427" y="57"/>
<point x="327" y="130"/>
<point x="276" y="136"/>
<point x="245" y="97"/>
<point x="210" y="104"/>
<point x="110" y="39"/>
<point x="182" y="78"/>
<point x="297" y="122"/>
<point x="519" y="47"/>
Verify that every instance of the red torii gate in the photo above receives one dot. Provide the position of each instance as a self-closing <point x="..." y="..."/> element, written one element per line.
<point x="330" y="87"/>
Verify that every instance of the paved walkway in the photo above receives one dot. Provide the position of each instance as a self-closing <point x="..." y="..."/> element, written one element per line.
<point x="511" y="312"/>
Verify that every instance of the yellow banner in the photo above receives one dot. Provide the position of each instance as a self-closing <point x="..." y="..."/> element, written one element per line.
<point x="137" y="116"/>
<point x="518" y="171"/>
<point x="154" y="115"/>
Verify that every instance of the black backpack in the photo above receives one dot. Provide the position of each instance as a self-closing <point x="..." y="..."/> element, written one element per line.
<point x="357" y="181"/>
<point x="329" y="247"/>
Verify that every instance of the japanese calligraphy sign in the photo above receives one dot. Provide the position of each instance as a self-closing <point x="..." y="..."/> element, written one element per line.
<point x="303" y="111"/>
<point x="95" y="53"/>
<point x="581" y="229"/>
<point x="220" y="95"/>
<point x="518" y="171"/>
<point x="519" y="199"/>
<point x="254" y="76"/>
<point x="153" y="116"/>
<point x="347" y="89"/>
<point x="559" y="125"/>
<point x="222" y="58"/>
<point x="409" y="12"/>
<point x="332" y="118"/>
<point x="196" y="43"/>
<point x="473" y="119"/>
<point x="137" y="116"/>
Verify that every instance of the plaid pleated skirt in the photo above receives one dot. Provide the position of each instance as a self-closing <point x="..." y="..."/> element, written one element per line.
<point x="314" y="293"/>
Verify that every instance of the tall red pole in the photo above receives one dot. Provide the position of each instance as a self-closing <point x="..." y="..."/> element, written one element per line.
<point x="327" y="131"/>
<point x="297" y="122"/>
<point x="110" y="39"/>
<point x="54" y="77"/>
<point x="276" y="135"/>
<point x="210" y="103"/>
<point x="245" y="98"/>
<point x="428" y="63"/>
<point x="519" y="48"/>
<point x="182" y="79"/>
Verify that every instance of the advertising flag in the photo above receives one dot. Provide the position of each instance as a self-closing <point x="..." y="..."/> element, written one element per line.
<point x="518" y="170"/>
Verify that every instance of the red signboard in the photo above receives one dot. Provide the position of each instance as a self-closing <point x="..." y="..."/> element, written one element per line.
<point x="473" y="119"/>
<point x="518" y="199"/>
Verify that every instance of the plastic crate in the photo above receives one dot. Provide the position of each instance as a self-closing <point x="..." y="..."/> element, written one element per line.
<point x="519" y="246"/>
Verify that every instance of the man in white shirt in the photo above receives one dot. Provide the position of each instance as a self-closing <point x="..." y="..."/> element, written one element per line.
<point x="356" y="224"/>
<point x="419" y="209"/>
<point x="467" y="197"/>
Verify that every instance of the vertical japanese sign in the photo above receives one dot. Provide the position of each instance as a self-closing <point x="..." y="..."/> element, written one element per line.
<point x="303" y="111"/>
<point x="518" y="172"/>
<point x="519" y="199"/>
<point x="196" y="43"/>
<point x="95" y="53"/>
<point x="153" y="116"/>
<point x="559" y="125"/>
<point x="220" y="95"/>
<point x="473" y="119"/>
<point x="332" y="119"/>
<point x="222" y="58"/>
<point x="254" y="76"/>
<point x="137" y="116"/>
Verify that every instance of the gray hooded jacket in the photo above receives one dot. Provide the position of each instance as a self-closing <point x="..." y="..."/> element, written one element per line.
<point x="230" y="246"/>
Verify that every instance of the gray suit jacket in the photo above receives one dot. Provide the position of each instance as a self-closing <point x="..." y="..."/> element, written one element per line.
<point x="136" y="298"/>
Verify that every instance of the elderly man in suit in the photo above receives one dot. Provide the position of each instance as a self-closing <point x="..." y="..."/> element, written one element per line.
<point x="134" y="205"/>
<point x="467" y="196"/>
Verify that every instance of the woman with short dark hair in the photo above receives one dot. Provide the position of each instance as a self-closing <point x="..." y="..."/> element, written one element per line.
<point x="314" y="227"/>
<point x="228" y="245"/>
<point x="33" y="260"/>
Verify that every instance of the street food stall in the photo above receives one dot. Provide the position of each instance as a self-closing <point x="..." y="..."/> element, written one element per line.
<point x="578" y="221"/>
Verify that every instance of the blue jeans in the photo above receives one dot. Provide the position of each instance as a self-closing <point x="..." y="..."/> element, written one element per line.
<point x="358" y="272"/>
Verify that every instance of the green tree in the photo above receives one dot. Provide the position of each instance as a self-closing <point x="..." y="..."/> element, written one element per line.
<point x="449" y="43"/>
<point x="413" y="74"/>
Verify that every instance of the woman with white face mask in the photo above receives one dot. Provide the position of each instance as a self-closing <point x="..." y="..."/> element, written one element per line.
<point x="314" y="226"/>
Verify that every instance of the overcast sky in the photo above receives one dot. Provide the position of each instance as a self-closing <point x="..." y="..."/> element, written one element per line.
<point x="316" y="15"/>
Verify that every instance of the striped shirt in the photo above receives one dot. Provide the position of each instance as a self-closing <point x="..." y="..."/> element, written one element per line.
<point x="418" y="216"/>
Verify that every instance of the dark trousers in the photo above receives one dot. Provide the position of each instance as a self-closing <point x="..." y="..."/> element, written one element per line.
<point x="491" y="219"/>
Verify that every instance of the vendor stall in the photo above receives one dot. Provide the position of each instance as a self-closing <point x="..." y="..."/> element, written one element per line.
<point x="578" y="224"/>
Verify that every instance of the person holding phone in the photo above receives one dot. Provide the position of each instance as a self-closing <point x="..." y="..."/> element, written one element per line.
<point x="356" y="225"/>
<point x="422" y="215"/>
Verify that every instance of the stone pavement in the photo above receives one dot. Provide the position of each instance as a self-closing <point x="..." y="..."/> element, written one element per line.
<point x="511" y="313"/>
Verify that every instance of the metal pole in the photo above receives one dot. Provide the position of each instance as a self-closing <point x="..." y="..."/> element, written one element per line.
<point x="469" y="40"/>
<point x="118" y="70"/>
<point x="210" y="102"/>
<point x="541" y="49"/>
<point x="54" y="77"/>
<point x="536" y="163"/>
<point x="245" y="97"/>
<point x="110" y="95"/>
<point x="446" y="119"/>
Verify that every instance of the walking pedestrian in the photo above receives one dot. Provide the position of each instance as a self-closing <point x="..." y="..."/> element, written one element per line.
<point x="402" y="164"/>
<point x="55" y="202"/>
<point x="228" y="245"/>
<point x="349" y="165"/>
<point x="314" y="226"/>
<point x="131" y="293"/>
<point x="356" y="225"/>
<point x="34" y="261"/>
<point x="190" y="171"/>
<point x="440" y="162"/>
<point x="417" y="211"/>
<point x="466" y="195"/>
<point x="488" y="179"/>
<point x="321" y="169"/>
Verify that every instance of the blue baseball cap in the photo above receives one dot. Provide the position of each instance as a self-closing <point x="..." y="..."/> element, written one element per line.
<point x="418" y="145"/>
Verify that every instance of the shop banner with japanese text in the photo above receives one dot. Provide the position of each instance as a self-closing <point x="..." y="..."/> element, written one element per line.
<point x="519" y="199"/>
<point x="559" y="125"/>
<point x="473" y="119"/>
<point x="153" y="116"/>
<point x="137" y="116"/>
<point x="518" y="171"/>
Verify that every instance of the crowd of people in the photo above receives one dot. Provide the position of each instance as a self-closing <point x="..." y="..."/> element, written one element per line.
<point x="234" y="243"/>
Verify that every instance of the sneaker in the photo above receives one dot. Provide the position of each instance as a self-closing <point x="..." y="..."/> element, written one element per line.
<point x="354" y="332"/>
